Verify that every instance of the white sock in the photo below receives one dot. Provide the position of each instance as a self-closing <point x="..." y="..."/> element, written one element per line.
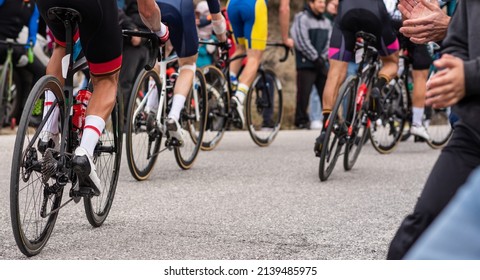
<point x="52" y="123"/>
<point x="92" y="131"/>
<point x="417" y="115"/>
<point x="152" y="101"/>
<point x="177" y="106"/>
<point x="241" y="93"/>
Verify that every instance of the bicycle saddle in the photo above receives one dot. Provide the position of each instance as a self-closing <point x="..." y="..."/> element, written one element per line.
<point x="64" y="14"/>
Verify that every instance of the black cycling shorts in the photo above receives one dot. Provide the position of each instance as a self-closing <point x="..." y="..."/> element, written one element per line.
<point x="361" y="15"/>
<point x="418" y="54"/>
<point x="179" y="16"/>
<point x="99" y="31"/>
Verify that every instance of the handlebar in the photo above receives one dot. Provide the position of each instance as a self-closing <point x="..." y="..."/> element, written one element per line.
<point x="153" y="47"/>
<point x="285" y="48"/>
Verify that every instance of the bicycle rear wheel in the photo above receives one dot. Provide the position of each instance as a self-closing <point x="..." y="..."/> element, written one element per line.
<point x="33" y="194"/>
<point x="143" y="139"/>
<point x="193" y="122"/>
<point x="439" y="128"/>
<point x="264" y="108"/>
<point x="218" y="104"/>
<point x="337" y="129"/>
<point x="355" y="124"/>
<point x="107" y="157"/>
<point x="386" y="132"/>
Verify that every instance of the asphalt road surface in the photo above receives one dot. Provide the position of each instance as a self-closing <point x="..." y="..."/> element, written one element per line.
<point x="240" y="201"/>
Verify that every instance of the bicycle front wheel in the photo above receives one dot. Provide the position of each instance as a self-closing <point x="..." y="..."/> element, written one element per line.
<point x="143" y="138"/>
<point x="34" y="196"/>
<point x="192" y="120"/>
<point x="107" y="157"/>
<point x="218" y="104"/>
<point x="264" y="108"/>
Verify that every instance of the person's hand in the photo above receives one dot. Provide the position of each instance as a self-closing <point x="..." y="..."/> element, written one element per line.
<point x="447" y="86"/>
<point x="425" y="21"/>
<point x="289" y="42"/>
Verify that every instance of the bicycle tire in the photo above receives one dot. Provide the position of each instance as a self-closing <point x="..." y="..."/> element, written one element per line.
<point x="107" y="159"/>
<point x="11" y="107"/>
<point x="439" y="129"/>
<point x="193" y="124"/>
<point x="3" y="86"/>
<point x="386" y="132"/>
<point x="264" y="119"/>
<point x="142" y="146"/>
<point x="218" y="107"/>
<point x="31" y="230"/>
<point x="335" y="133"/>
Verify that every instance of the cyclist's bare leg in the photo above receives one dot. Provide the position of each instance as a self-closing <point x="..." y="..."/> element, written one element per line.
<point x="419" y="90"/>
<point x="103" y="100"/>
<point x="418" y="103"/>
<point x="183" y="85"/>
<point x="54" y="66"/>
<point x="390" y="66"/>
<point x="254" y="57"/>
<point x="336" y="75"/>
<point x="237" y="64"/>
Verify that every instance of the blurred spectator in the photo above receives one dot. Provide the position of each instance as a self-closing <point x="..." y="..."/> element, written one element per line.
<point x="14" y="15"/>
<point x="311" y="31"/>
<point x="315" y="106"/>
<point x="454" y="233"/>
<point x="205" y="33"/>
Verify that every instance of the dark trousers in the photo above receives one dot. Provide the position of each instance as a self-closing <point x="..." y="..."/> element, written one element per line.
<point x="134" y="59"/>
<point x="306" y="78"/>
<point x="457" y="160"/>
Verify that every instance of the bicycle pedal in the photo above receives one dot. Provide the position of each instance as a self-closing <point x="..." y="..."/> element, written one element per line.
<point x="74" y="193"/>
<point x="86" y="192"/>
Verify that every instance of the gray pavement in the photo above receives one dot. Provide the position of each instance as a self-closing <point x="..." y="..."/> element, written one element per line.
<point x="242" y="202"/>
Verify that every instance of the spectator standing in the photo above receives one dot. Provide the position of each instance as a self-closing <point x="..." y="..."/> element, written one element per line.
<point x="315" y="106"/>
<point x="134" y="52"/>
<point x="311" y="31"/>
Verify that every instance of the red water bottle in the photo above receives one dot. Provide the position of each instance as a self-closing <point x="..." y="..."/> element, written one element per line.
<point x="80" y="109"/>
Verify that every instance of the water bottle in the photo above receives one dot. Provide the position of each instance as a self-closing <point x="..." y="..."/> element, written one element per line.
<point x="80" y="109"/>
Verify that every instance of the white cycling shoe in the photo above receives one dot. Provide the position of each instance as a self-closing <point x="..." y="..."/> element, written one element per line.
<point x="420" y="131"/>
<point x="86" y="172"/>
<point x="175" y="131"/>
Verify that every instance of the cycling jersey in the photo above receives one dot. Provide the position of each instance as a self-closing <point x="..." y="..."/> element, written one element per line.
<point x="361" y="15"/>
<point x="249" y="19"/>
<point x="99" y="30"/>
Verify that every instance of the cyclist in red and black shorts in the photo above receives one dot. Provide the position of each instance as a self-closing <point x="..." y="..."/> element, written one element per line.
<point x="101" y="41"/>
<point x="358" y="15"/>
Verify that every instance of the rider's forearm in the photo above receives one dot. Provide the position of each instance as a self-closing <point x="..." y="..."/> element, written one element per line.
<point x="284" y="18"/>
<point x="150" y="14"/>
